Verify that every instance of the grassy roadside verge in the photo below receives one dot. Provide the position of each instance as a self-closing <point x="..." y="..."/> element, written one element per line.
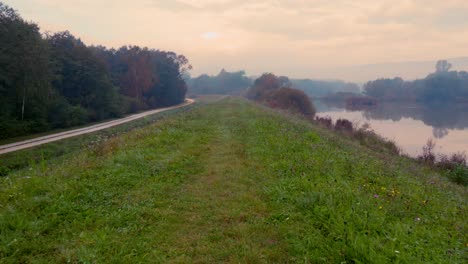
<point x="68" y="147"/>
<point x="231" y="182"/>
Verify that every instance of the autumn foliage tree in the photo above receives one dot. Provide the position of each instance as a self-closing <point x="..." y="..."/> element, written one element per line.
<point x="137" y="76"/>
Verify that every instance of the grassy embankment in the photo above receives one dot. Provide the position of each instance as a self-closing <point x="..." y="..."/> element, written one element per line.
<point x="233" y="182"/>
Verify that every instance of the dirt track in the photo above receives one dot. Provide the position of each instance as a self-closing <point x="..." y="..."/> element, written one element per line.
<point x="71" y="133"/>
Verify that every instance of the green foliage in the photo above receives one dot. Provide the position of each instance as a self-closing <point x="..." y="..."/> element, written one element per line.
<point x="459" y="175"/>
<point x="58" y="81"/>
<point x="10" y="127"/>
<point x="80" y="77"/>
<point x="24" y="75"/>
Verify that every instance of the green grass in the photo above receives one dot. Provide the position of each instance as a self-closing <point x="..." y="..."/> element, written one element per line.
<point x="231" y="182"/>
<point x="68" y="147"/>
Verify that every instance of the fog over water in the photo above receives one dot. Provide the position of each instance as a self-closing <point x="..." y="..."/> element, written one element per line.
<point x="411" y="125"/>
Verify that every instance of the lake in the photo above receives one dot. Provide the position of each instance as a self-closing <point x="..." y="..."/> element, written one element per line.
<point x="410" y="125"/>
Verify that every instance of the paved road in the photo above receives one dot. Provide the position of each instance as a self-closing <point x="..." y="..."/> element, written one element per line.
<point x="71" y="133"/>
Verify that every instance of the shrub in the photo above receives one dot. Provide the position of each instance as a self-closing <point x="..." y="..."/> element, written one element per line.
<point x="11" y="127"/>
<point x="130" y="104"/>
<point x="324" y="121"/>
<point x="454" y="165"/>
<point x="291" y="99"/>
<point x="344" y="125"/>
<point x="428" y="155"/>
<point x="367" y="136"/>
<point x="452" y="161"/>
<point x="459" y="175"/>
<point x="77" y="115"/>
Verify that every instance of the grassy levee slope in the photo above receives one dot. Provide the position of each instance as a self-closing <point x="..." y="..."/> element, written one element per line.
<point x="231" y="182"/>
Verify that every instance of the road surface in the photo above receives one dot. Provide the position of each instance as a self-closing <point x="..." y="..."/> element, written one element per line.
<point x="85" y="130"/>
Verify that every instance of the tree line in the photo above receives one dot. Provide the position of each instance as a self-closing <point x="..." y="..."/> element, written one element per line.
<point x="269" y="89"/>
<point x="321" y="88"/>
<point x="442" y="86"/>
<point x="55" y="81"/>
<point x="236" y="83"/>
<point x="224" y="83"/>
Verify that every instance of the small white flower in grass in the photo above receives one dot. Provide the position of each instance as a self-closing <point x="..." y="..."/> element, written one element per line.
<point x="417" y="219"/>
<point x="396" y="251"/>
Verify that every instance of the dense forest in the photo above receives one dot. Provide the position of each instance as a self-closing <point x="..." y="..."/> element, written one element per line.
<point x="56" y="81"/>
<point x="442" y="86"/>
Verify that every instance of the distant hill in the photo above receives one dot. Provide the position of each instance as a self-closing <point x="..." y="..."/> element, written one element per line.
<point x="408" y="70"/>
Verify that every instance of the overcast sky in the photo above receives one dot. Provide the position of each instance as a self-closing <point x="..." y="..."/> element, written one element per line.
<point x="299" y="38"/>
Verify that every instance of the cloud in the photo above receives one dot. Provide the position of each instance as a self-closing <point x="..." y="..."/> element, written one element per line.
<point x="292" y="37"/>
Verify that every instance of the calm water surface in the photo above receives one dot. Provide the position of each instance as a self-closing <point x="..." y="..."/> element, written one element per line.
<point x="410" y="125"/>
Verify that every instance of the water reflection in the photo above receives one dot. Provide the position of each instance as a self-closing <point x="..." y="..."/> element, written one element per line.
<point x="441" y="117"/>
<point x="410" y="125"/>
<point x="440" y="132"/>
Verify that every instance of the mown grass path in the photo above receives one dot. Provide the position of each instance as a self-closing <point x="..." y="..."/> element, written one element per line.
<point x="231" y="182"/>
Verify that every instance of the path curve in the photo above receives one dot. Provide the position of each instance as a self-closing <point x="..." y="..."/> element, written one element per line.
<point x="85" y="130"/>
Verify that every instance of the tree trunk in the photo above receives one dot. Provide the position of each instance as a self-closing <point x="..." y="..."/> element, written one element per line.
<point x="22" y="105"/>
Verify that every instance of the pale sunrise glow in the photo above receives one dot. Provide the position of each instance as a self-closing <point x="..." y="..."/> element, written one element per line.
<point x="210" y="35"/>
<point x="298" y="38"/>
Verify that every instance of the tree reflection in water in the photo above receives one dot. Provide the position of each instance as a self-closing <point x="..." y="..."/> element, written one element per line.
<point x="441" y="117"/>
<point x="440" y="132"/>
